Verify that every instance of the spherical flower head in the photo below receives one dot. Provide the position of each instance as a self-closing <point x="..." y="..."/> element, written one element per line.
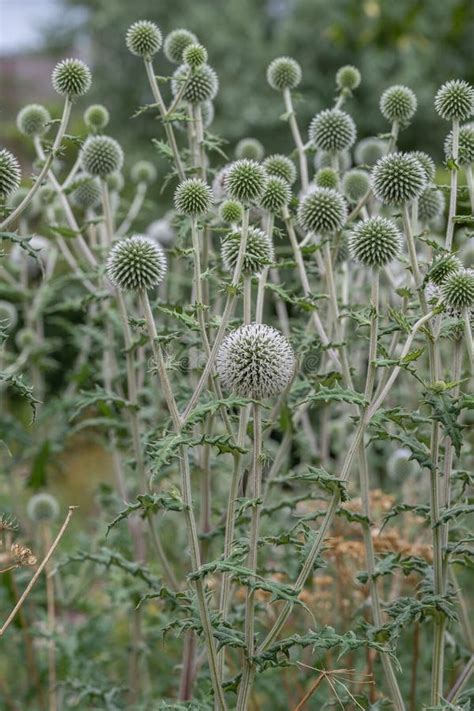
<point x="96" y="117"/>
<point x="258" y="250"/>
<point x="369" y="150"/>
<point x="284" y="73"/>
<point x="276" y="195"/>
<point x="136" y="264"/>
<point x="87" y="193"/>
<point x="398" y="103"/>
<point x="355" y="184"/>
<point x="397" y="179"/>
<point x="42" y="508"/>
<point x="322" y="211"/>
<point x="465" y="147"/>
<point x="175" y="44"/>
<point x="33" y="120"/>
<point x="431" y="204"/>
<point x="231" y="211"/>
<point x="326" y="178"/>
<point x="193" y="197"/>
<point x="194" y="55"/>
<point x="71" y="78"/>
<point x="245" y="180"/>
<point x="10" y="173"/>
<point x="249" y="148"/>
<point x="281" y="166"/>
<point x="457" y="290"/>
<point x="443" y="267"/>
<point x="115" y="181"/>
<point x="255" y="361"/>
<point x="375" y="242"/>
<point x="348" y="77"/>
<point x="144" y="38"/>
<point x="455" y="100"/>
<point x="101" y="155"/>
<point x="202" y="85"/>
<point x="332" y="130"/>
<point x="16" y="198"/>
<point x="427" y="163"/>
<point x="143" y="172"/>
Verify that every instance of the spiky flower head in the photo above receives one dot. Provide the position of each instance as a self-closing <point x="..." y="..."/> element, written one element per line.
<point x="348" y="77"/>
<point x="42" y="507"/>
<point x="332" y="130"/>
<point x="143" y="172"/>
<point x="175" y="44"/>
<point x="258" y="250"/>
<point x="355" y="184"/>
<point x="398" y="103"/>
<point x="284" y="73"/>
<point x="281" y="166"/>
<point x="276" y="194"/>
<point x="87" y="193"/>
<point x="455" y="100"/>
<point x="193" y="197"/>
<point x="194" y="55"/>
<point x="202" y="85"/>
<point x="427" y="163"/>
<point x="458" y="289"/>
<point x="466" y="145"/>
<point x="398" y="178"/>
<point x="326" y="178"/>
<point x="375" y="242"/>
<point x="71" y="78"/>
<point x="115" y="181"/>
<point x="255" y="361"/>
<point x="431" y="204"/>
<point x="443" y="267"/>
<point x="369" y="150"/>
<point x="96" y="117"/>
<point x="10" y="173"/>
<point x="249" y="148"/>
<point x="101" y="155"/>
<point x="32" y="120"/>
<point x="136" y="264"/>
<point x="144" y="38"/>
<point x="322" y="211"/>
<point x="231" y="211"/>
<point x="245" y="180"/>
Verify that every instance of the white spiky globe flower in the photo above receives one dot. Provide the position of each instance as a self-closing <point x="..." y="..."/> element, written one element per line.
<point x="327" y="178"/>
<point x="193" y="197"/>
<point x="202" y="85"/>
<point x="332" y="130"/>
<point x="71" y="77"/>
<point x="86" y="193"/>
<point x="427" y="163"/>
<point x="136" y="264"/>
<point x="455" y="100"/>
<point x="348" y="77"/>
<point x="144" y="38"/>
<point x="398" y="178"/>
<point x="231" y="211"/>
<point x="255" y="361"/>
<point x="369" y="150"/>
<point x="245" y="180"/>
<point x="398" y="103"/>
<point x="10" y="173"/>
<point x="465" y="147"/>
<point x="443" y="267"/>
<point x="194" y="56"/>
<point x="284" y="73"/>
<point x="355" y="184"/>
<point x="101" y="156"/>
<point x="249" y="148"/>
<point x="281" y="166"/>
<point x="143" y="172"/>
<point x="258" y="250"/>
<point x="276" y="194"/>
<point x="33" y="120"/>
<point x="42" y="508"/>
<point x="431" y="204"/>
<point x="175" y="44"/>
<point x="457" y="290"/>
<point x="96" y="117"/>
<point x="375" y="242"/>
<point x="322" y="211"/>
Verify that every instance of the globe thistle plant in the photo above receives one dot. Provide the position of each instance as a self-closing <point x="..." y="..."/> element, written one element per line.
<point x="249" y="148"/>
<point x="355" y="184"/>
<point x="326" y="178"/>
<point x="466" y="145"/>
<point x="348" y="77"/>
<point x="175" y="44"/>
<point x="193" y="197"/>
<point x="276" y="194"/>
<point x="322" y="211"/>
<point x="427" y="163"/>
<point x="398" y="178"/>
<point x="10" y="173"/>
<point x="16" y="198"/>
<point x="71" y="78"/>
<point x="255" y="361"/>
<point x="457" y="290"/>
<point x="284" y="73"/>
<point x="231" y="211"/>
<point x="398" y="104"/>
<point x="202" y="85"/>
<point x="332" y="130"/>
<point x="115" y="181"/>
<point x="87" y="194"/>
<point x="443" y="267"/>
<point x="375" y="242"/>
<point x="369" y="150"/>
<point x="258" y="251"/>
<point x="194" y="56"/>
<point x="431" y="204"/>
<point x="33" y="120"/>
<point x="281" y="166"/>
<point x="101" y="156"/>
<point x="144" y="39"/>
<point x="42" y="508"/>
<point x="455" y="100"/>
<point x="136" y="264"/>
<point x="96" y="117"/>
<point x="245" y="180"/>
<point x="143" y="172"/>
<point x="324" y="159"/>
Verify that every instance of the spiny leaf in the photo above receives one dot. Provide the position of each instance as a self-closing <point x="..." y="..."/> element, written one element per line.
<point x="150" y="504"/>
<point x="336" y="394"/>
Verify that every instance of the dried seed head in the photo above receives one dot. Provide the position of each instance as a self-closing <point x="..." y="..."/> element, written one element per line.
<point x="458" y="289"/>
<point x="442" y="267"/>
<point x="101" y="155"/>
<point x="369" y="150"/>
<point x="258" y="252"/>
<point x="398" y="178"/>
<point x="249" y="148"/>
<point x="322" y="211"/>
<point x="455" y="100"/>
<point x="71" y="78"/>
<point x="375" y="242"/>
<point x="143" y="172"/>
<point x="10" y="173"/>
<point x="326" y="178"/>
<point x="96" y="117"/>
<point x="231" y="211"/>
<point x="193" y="197"/>
<point x="175" y="44"/>
<point x="136" y="264"/>
<point x="32" y="120"/>
<point x="245" y="180"/>
<point x="281" y="166"/>
<point x="194" y="55"/>
<point x="144" y="38"/>
<point x="276" y="194"/>
<point x="348" y="77"/>
<point x="398" y="103"/>
<point x="284" y="73"/>
<point x="431" y="204"/>
<point x="355" y="184"/>
<point x="42" y="507"/>
<point x="466" y="145"/>
<point x="87" y="193"/>
<point x="201" y="86"/>
<point x="332" y="130"/>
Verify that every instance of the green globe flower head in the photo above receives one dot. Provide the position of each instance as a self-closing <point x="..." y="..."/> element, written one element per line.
<point x="427" y="163"/>
<point x="398" y="178"/>
<point x="258" y="252"/>
<point x="16" y="198"/>
<point x="375" y="242"/>
<point x="71" y="78"/>
<point x="255" y="361"/>
<point x="143" y="172"/>
<point x="355" y="184"/>
<point x="245" y="180"/>
<point x="101" y="155"/>
<point x="33" y="120"/>
<point x="136" y="264"/>
<point x="231" y="211"/>
<point x="326" y="178"/>
<point x="348" y="77"/>
<point x="455" y="100"/>
<point x="87" y="193"/>
<point x="284" y="73"/>
<point x="144" y="39"/>
<point x="332" y="130"/>
<point x="175" y="44"/>
<point x="465" y="147"/>
<point x="42" y="508"/>
<point x="281" y="166"/>
<point x="249" y="148"/>
<point x="96" y="117"/>
<point x="431" y="204"/>
<point x="202" y="85"/>
<point x="10" y="173"/>
<point x="443" y="267"/>
<point x="369" y="150"/>
<point x="193" y="197"/>
<point x="276" y="194"/>
<point x="194" y="56"/>
<point x="457" y="290"/>
<point x="115" y="181"/>
<point x="398" y="103"/>
<point x="322" y="211"/>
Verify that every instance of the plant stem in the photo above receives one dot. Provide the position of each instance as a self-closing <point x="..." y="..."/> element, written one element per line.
<point x="453" y="187"/>
<point x="297" y="139"/>
<point x="133" y="211"/>
<point x="247" y="311"/>
<point x="470" y="184"/>
<point x="52" y="680"/>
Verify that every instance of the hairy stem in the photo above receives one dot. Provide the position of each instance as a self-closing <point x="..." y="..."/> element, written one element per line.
<point x="295" y="131"/>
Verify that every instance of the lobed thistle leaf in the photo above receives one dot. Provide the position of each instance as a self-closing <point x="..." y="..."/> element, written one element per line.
<point x="136" y="264"/>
